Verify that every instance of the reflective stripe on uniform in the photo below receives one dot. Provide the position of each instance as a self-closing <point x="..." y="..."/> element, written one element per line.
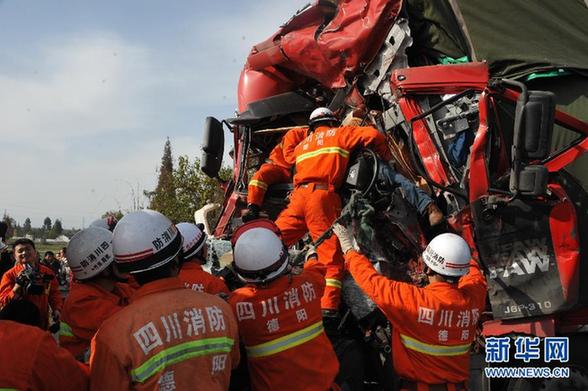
<point x="179" y="353"/>
<point x="434" y="350"/>
<point x="65" y="330"/>
<point x="323" y="151"/>
<point x="255" y="182"/>
<point x="286" y="342"/>
<point x="332" y="282"/>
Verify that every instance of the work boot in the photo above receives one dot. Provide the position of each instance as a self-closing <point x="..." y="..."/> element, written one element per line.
<point x="435" y="215"/>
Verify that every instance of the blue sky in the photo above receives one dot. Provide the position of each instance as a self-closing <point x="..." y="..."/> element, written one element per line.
<point x="90" y="90"/>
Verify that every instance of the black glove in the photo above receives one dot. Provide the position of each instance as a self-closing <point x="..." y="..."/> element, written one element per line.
<point x="251" y="213"/>
<point x="54" y="328"/>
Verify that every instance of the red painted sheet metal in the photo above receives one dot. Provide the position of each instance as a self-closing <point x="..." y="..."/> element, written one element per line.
<point x="255" y="85"/>
<point x="479" y="182"/>
<point x="568" y="156"/>
<point x="543" y="327"/>
<point x="425" y="145"/>
<point x="229" y="210"/>
<point x="440" y="79"/>
<point x="344" y="46"/>
<point x="566" y="244"/>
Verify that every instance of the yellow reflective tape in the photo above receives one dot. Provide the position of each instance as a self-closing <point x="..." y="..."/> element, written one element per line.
<point x="65" y="330"/>
<point x="333" y="283"/>
<point x="323" y="151"/>
<point x="434" y="350"/>
<point x="179" y="353"/>
<point x="255" y="182"/>
<point x="286" y="342"/>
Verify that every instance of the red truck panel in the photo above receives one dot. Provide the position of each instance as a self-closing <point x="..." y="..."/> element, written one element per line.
<point x="440" y="79"/>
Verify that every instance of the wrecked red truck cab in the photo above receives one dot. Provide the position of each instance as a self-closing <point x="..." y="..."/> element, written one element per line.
<point x="502" y="162"/>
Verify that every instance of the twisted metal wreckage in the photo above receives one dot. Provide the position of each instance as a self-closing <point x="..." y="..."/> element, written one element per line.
<point x="494" y="127"/>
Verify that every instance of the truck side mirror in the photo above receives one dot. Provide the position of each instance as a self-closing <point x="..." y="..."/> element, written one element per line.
<point x="538" y="118"/>
<point x="213" y="145"/>
<point x="533" y="180"/>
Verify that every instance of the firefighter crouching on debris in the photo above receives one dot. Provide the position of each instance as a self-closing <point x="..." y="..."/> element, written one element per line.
<point x="432" y="327"/>
<point x="98" y="291"/>
<point x="31" y="360"/>
<point x="169" y="337"/>
<point x="279" y="314"/>
<point x="30" y="280"/>
<point x="194" y="253"/>
<point x="274" y="170"/>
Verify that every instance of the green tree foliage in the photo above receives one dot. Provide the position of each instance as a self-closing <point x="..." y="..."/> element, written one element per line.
<point x="26" y="228"/>
<point x="56" y="230"/>
<point x="10" y="225"/>
<point x="164" y="196"/>
<point x="191" y="189"/>
<point x="47" y="224"/>
<point x="194" y="189"/>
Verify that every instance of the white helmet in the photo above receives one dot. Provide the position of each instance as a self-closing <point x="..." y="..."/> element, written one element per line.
<point x="90" y="252"/>
<point x="108" y="223"/>
<point x="448" y="254"/>
<point x="193" y="239"/>
<point x="145" y="240"/>
<point x="322" y="114"/>
<point x="259" y="254"/>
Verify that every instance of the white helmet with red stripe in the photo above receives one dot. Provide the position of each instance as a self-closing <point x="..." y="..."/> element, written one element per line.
<point x="448" y="254"/>
<point x="259" y="254"/>
<point x="89" y="252"/>
<point x="193" y="239"/>
<point x="145" y="240"/>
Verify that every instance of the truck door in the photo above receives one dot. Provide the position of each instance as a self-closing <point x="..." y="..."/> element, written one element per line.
<point x="528" y="244"/>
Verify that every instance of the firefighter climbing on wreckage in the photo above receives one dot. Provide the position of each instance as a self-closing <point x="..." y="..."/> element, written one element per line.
<point x="320" y="161"/>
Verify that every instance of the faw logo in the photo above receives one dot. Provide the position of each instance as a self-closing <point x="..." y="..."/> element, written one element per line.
<point x="520" y="258"/>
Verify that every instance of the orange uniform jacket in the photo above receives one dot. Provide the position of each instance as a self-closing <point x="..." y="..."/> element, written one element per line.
<point x="321" y="163"/>
<point x="51" y="296"/>
<point x="275" y="170"/>
<point x="86" y="307"/>
<point x="197" y="279"/>
<point x="323" y="155"/>
<point x="281" y="327"/>
<point x="432" y="327"/>
<point x="31" y="360"/>
<point x="169" y="337"/>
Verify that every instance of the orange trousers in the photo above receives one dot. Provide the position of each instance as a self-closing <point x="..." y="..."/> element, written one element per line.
<point x="313" y="209"/>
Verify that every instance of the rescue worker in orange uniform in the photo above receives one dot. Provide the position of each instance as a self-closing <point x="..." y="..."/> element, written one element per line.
<point x="98" y="291"/>
<point x="194" y="253"/>
<point x="432" y="327"/>
<point x="30" y="280"/>
<point x="274" y="170"/>
<point x="31" y="360"/>
<point x="321" y="163"/>
<point x="168" y="337"/>
<point x="279" y="314"/>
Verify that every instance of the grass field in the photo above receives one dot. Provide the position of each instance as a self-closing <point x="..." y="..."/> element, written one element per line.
<point x="55" y="247"/>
